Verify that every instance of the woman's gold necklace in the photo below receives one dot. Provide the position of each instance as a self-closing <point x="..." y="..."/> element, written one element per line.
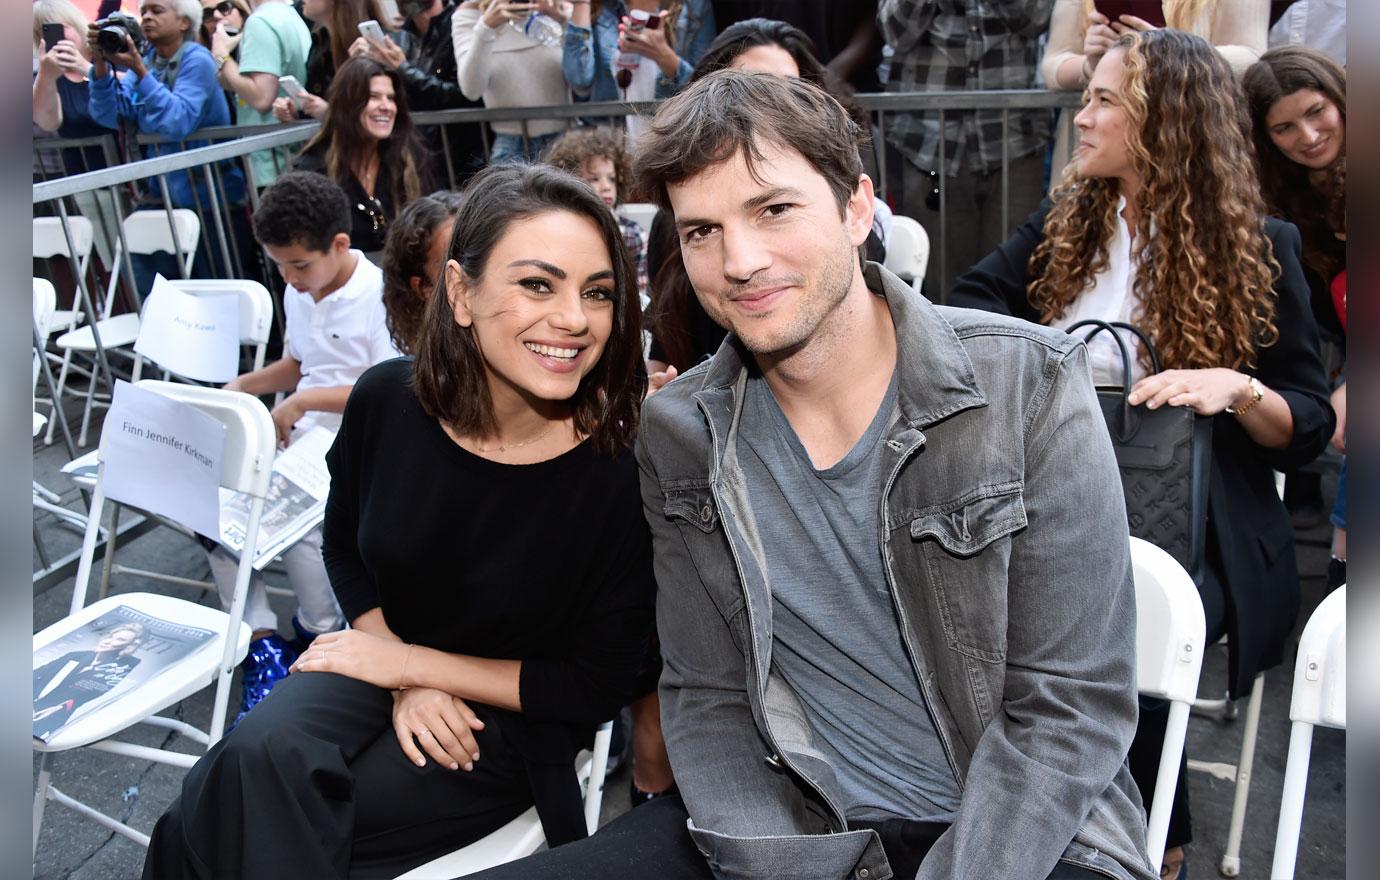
<point x="504" y="447"/>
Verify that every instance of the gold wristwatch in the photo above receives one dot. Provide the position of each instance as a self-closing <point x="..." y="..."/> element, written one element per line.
<point x="1257" y="395"/>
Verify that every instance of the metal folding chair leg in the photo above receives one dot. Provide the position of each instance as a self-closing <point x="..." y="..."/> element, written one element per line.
<point x="1226" y="710"/>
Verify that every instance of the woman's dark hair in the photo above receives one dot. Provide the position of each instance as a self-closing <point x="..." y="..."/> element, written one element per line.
<point x="1319" y="211"/>
<point x="302" y="208"/>
<point x="449" y="374"/>
<point x="346" y="142"/>
<point x="750" y="33"/>
<point x="404" y="258"/>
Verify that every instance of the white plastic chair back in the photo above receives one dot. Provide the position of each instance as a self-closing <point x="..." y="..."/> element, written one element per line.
<point x="908" y="250"/>
<point x="1170" y="631"/>
<point x="148" y="232"/>
<point x="256" y="308"/>
<point x="1319" y="699"/>
<point x="643" y="213"/>
<point x="250" y="439"/>
<point x="1320" y="670"/>
<point x="45" y="303"/>
<point x="49" y="240"/>
<point x="523" y="835"/>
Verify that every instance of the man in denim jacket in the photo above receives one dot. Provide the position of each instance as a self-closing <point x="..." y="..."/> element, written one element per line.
<point x="895" y="598"/>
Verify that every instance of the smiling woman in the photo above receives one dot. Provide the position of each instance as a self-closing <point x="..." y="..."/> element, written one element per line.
<point x="485" y="538"/>
<point x="368" y="145"/>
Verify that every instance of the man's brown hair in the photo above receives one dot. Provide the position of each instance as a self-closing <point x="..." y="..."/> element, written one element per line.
<point x="733" y="111"/>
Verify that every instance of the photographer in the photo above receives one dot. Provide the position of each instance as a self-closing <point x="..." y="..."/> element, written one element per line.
<point x="170" y="90"/>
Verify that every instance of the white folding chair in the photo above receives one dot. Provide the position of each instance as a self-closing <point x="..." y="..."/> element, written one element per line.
<point x="643" y="213"/>
<point x="256" y="308"/>
<point x="523" y="835"/>
<point x="908" y="250"/>
<point x="1319" y="700"/>
<point x="1170" y="631"/>
<point x="45" y="307"/>
<point x="246" y="467"/>
<point x="50" y="242"/>
<point x="1239" y="774"/>
<point x="146" y="232"/>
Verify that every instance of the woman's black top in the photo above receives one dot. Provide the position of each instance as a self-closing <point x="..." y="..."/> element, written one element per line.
<point x="547" y="563"/>
<point x="369" y="215"/>
<point x="1250" y="536"/>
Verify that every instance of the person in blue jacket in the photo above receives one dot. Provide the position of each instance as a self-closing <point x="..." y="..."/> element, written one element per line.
<point x="592" y="42"/>
<point x="169" y="90"/>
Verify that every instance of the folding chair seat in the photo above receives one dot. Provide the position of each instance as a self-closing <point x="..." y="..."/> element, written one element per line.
<point x="523" y="835"/>
<point x="247" y="461"/>
<point x="1318" y="700"/>
<point x="1170" y="632"/>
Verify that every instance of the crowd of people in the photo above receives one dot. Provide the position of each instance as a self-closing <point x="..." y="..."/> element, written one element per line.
<point x="865" y="582"/>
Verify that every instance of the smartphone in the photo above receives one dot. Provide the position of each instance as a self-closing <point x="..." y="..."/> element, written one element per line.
<point x="52" y="35"/>
<point x="292" y="88"/>
<point x="1150" y="10"/>
<point x="389" y="10"/>
<point x="371" y="31"/>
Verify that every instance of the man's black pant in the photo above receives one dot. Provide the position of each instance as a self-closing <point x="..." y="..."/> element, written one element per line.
<point x="651" y="843"/>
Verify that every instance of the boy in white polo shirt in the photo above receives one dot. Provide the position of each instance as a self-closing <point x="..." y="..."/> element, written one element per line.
<point x="335" y="331"/>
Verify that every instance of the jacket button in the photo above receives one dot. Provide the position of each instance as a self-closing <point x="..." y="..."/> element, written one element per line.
<point x="863" y="874"/>
<point x="706" y="513"/>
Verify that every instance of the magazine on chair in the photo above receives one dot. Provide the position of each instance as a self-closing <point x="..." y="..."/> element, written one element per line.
<point x="95" y="664"/>
<point x="295" y="504"/>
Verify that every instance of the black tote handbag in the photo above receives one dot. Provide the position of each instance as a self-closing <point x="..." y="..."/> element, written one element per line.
<point x="1165" y="457"/>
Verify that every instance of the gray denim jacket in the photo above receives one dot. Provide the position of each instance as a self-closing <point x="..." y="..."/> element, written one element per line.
<point x="1006" y="552"/>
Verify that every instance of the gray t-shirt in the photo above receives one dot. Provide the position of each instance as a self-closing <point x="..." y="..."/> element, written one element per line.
<point x="836" y="639"/>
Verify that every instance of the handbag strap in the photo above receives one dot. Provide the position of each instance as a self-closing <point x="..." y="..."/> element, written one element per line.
<point x="1127" y="428"/>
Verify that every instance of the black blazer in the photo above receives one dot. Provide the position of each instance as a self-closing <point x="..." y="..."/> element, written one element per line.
<point x="1246" y="519"/>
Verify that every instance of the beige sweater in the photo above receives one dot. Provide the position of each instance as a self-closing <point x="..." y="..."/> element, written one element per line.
<point x="506" y="69"/>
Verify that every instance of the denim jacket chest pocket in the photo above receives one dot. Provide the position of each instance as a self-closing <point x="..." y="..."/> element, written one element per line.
<point x="690" y="504"/>
<point x="965" y="546"/>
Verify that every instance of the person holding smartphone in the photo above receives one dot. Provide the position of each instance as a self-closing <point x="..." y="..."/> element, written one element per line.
<point x="273" y="43"/>
<point x="1081" y="31"/>
<point x="601" y="30"/>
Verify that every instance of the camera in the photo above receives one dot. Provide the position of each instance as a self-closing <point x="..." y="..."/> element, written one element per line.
<point x="112" y="30"/>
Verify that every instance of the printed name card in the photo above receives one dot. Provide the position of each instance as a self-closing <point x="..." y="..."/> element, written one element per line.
<point x="163" y="456"/>
<point x="193" y="336"/>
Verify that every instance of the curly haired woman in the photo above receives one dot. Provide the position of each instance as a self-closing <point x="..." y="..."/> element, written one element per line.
<point x="1159" y="221"/>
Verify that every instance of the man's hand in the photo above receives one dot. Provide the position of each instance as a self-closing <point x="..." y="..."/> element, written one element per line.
<point x="287" y="414"/>
<point x="223" y="44"/>
<point x="432" y="721"/>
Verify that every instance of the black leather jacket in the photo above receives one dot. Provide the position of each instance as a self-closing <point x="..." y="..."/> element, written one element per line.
<point x="429" y="72"/>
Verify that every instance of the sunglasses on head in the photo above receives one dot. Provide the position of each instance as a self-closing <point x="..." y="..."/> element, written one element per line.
<point x="224" y="8"/>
